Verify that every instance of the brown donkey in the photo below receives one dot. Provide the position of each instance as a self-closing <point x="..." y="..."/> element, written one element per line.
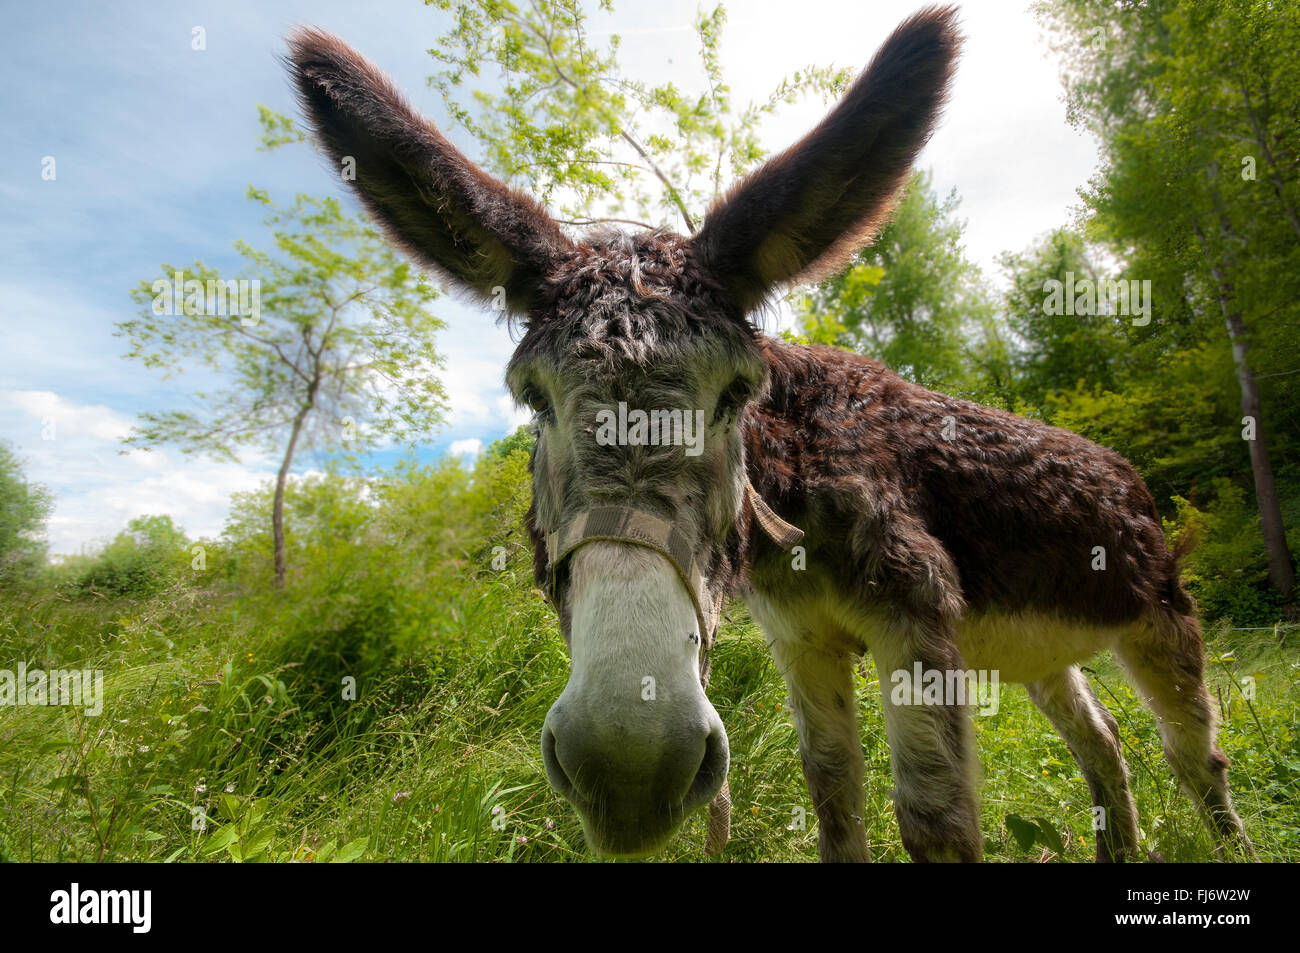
<point x="941" y="536"/>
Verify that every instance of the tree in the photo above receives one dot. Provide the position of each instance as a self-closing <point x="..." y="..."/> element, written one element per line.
<point x="331" y="344"/>
<point x="24" y="508"/>
<point x="569" y="126"/>
<point x="1057" y="346"/>
<point x="911" y="297"/>
<point x="1198" y="110"/>
<point x="138" y="561"/>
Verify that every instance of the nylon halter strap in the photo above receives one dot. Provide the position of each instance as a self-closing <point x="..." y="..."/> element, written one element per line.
<point x="621" y="524"/>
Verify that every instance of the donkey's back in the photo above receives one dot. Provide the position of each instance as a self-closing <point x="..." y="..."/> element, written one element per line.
<point x="1033" y="518"/>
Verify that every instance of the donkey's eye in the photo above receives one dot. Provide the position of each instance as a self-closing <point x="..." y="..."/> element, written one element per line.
<point x="733" y="398"/>
<point x="535" y="399"/>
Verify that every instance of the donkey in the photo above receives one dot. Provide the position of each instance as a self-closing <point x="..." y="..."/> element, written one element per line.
<point x="939" y="535"/>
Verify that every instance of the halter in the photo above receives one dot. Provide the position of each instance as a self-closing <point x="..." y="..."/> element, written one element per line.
<point x="623" y="524"/>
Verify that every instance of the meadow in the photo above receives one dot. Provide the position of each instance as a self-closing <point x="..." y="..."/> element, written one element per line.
<point x="231" y="730"/>
<point x="360" y="670"/>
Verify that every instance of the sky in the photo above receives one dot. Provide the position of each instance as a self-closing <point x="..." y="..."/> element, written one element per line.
<point x="154" y="143"/>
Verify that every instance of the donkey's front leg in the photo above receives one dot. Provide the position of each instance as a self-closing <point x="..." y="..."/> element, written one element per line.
<point x="821" y="695"/>
<point x="930" y="745"/>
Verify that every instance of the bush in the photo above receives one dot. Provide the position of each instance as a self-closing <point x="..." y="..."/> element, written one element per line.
<point x="1227" y="568"/>
<point x="141" y="560"/>
<point x="24" y="508"/>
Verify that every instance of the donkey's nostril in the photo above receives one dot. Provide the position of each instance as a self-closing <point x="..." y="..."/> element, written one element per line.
<point x="555" y="772"/>
<point x="712" y="771"/>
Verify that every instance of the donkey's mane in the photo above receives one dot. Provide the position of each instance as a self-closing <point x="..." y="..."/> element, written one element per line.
<point x="625" y="295"/>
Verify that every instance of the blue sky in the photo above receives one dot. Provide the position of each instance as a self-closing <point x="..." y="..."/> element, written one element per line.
<point x="154" y="143"/>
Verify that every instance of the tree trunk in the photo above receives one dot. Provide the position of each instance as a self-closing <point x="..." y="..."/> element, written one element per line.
<point x="277" y="511"/>
<point x="1281" y="571"/>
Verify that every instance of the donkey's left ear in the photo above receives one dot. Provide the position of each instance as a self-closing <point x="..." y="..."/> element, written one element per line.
<point x="807" y="211"/>
<point x="428" y="197"/>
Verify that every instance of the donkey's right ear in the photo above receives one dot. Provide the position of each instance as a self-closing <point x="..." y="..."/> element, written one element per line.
<point x="467" y="226"/>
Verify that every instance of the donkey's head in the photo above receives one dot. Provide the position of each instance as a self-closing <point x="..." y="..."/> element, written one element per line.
<point x="639" y="361"/>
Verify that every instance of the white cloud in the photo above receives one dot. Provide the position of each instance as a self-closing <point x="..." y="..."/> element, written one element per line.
<point x="470" y="447"/>
<point x="59" y="417"/>
<point x="515" y="415"/>
<point x="98" y="488"/>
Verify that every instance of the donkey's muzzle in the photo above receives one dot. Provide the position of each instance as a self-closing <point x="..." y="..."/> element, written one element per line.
<point x="632" y="789"/>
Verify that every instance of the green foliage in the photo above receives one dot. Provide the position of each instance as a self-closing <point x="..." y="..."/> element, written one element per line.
<point x="341" y="349"/>
<point x="1039" y="830"/>
<point x="327" y="340"/>
<point x="1059" y="350"/>
<point x="1227" y="570"/>
<point x="911" y="299"/>
<point x="141" y="560"/>
<point x="388" y="705"/>
<point x="24" y="508"/>
<point x="569" y="125"/>
<point x="322" y="512"/>
<point x="503" y="493"/>
<point x="524" y="438"/>
<point x="1168" y="420"/>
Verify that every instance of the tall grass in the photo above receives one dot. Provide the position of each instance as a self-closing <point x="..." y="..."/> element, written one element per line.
<point x="388" y="705"/>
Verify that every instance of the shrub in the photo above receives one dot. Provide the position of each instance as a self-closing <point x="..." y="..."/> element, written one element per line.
<point x="1227" y="568"/>
<point x="141" y="560"/>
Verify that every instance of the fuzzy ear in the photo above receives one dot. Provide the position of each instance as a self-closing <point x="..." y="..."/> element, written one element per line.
<point x="467" y="226"/>
<point x="806" y="212"/>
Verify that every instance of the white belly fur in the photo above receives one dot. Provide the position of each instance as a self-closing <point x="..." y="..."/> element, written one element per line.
<point x="1021" y="647"/>
<point x="1027" y="647"/>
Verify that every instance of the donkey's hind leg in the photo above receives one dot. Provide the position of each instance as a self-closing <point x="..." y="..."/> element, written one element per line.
<point x="1166" y="661"/>
<point x="1092" y="735"/>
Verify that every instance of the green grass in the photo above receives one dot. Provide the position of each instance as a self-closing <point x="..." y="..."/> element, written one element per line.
<point x="233" y="706"/>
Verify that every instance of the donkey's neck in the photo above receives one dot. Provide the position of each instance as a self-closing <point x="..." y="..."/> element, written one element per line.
<point x="815" y="393"/>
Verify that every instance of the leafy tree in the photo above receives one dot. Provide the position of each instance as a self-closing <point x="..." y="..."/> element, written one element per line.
<point x="1196" y="108"/>
<point x="24" y="508"/>
<point x="139" y="561"/>
<point x="1057" y="347"/>
<point x="1167" y="420"/>
<point x="911" y="297"/>
<point x="329" y="511"/>
<point x="339" y="355"/>
<point x="570" y="126"/>
<point x="1228" y="568"/>
<point x="521" y="440"/>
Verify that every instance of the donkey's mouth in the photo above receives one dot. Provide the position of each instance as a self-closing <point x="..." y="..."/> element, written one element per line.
<point x="645" y="841"/>
<point x="622" y="817"/>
